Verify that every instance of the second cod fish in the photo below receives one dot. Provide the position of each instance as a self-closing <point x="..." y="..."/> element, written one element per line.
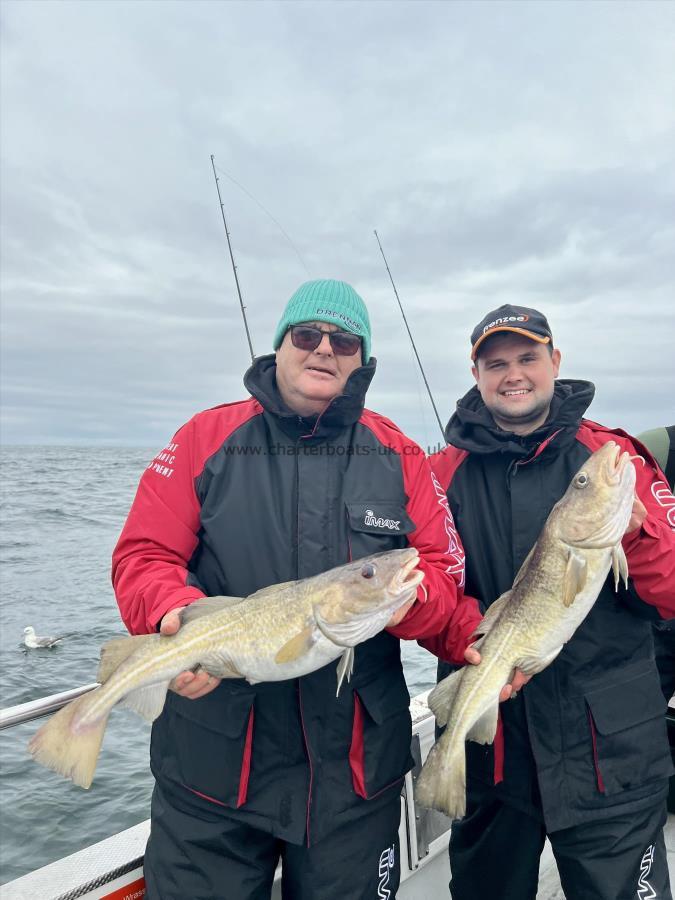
<point x="527" y="626"/>
<point x="280" y="632"/>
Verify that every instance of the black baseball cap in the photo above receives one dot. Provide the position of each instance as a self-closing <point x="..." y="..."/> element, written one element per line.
<point x="519" y="319"/>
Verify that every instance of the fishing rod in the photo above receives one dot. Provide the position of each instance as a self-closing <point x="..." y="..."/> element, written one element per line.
<point x="234" y="267"/>
<point x="419" y="361"/>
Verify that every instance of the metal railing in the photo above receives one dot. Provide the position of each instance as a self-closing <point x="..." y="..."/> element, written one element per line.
<point x="35" y="709"/>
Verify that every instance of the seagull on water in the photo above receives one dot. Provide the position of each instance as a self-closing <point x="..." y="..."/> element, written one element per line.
<point x="33" y="642"/>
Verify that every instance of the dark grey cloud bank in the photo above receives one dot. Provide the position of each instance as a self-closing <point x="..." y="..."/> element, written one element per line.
<point x="511" y="152"/>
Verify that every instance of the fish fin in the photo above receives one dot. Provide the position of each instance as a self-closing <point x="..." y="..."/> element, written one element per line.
<point x="619" y="566"/>
<point x="297" y="646"/>
<point x="116" y="651"/>
<point x="345" y="668"/>
<point x="441" y="784"/>
<point x="207" y="605"/>
<point x="442" y="697"/>
<point x="147" y="701"/>
<point x="273" y="589"/>
<point x="531" y="665"/>
<point x="574" y="578"/>
<point x="492" y="613"/>
<point x="484" y="728"/>
<point x="72" y="754"/>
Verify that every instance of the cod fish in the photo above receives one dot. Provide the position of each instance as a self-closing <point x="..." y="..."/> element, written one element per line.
<point x="280" y="632"/>
<point x="527" y="626"/>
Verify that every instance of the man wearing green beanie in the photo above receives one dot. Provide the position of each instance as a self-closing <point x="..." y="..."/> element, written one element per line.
<point x="289" y="483"/>
<point x="334" y="302"/>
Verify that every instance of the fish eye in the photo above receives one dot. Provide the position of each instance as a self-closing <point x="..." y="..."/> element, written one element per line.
<point x="581" y="480"/>
<point x="368" y="571"/>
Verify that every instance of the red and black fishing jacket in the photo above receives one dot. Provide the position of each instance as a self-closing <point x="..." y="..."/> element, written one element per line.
<point x="247" y="495"/>
<point x="588" y="733"/>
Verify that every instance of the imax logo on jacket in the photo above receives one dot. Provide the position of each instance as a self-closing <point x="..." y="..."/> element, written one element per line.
<point x="373" y="521"/>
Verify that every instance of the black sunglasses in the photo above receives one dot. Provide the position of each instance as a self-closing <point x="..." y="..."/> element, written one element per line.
<point x="307" y="337"/>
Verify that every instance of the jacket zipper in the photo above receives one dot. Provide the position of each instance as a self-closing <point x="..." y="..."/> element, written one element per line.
<point x="297" y="575"/>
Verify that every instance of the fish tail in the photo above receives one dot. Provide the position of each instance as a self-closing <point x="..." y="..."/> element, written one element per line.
<point x="442" y="697"/>
<point x="442" y="782"/>
<point x="70" y="752"/>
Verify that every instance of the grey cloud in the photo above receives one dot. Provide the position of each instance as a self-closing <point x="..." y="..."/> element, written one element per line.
<point x="511" y="152"/>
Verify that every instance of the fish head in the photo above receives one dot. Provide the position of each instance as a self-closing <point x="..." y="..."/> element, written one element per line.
<point x="355" y="601"/>
<point x="595" y="510"/>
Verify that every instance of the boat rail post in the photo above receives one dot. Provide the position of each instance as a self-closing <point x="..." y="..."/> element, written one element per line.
<point x="43" y="706"/>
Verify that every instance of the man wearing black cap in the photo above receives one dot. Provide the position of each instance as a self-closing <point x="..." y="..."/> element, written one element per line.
<point x="581" y="754"/>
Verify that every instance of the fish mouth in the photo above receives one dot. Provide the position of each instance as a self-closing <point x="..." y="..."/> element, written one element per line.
<point x="409" y="576"/>
<point x="616" y="464"/>
<point x="617" y="472"/>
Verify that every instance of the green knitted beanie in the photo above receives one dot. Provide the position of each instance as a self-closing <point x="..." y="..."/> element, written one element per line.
<point x="330" y="301"/>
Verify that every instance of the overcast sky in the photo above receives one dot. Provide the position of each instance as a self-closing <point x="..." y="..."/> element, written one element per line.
<point x="506" y="152"/>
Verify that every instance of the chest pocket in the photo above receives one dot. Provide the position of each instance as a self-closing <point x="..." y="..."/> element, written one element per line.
<point x="377" y="525"/>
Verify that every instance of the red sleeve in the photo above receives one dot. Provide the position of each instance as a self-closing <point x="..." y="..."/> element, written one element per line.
<point x="446" y="462"/>
<point x="443" y="606"/>
<point x="451" y="643"/>
<point x="650" y="549"/>
<point x="150" y="561"/>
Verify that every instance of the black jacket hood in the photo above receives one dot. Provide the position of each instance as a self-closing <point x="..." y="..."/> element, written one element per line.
<point x="345" y="410"/>
<point x="472" y="427"/>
